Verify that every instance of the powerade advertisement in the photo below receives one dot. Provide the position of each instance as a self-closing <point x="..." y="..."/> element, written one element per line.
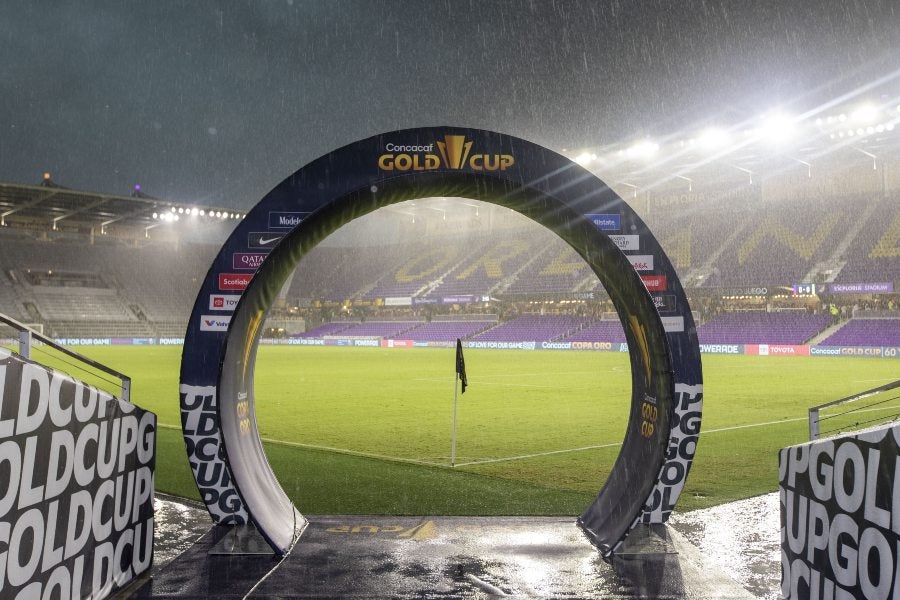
<point x="747" y="349"/>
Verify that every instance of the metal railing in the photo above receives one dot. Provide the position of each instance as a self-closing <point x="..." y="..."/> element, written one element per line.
<point x="26" y="339"/>
<point x="815" y="421"/>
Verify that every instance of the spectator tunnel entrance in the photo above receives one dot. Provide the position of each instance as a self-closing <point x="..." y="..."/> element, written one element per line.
<point x="216" y="381"/>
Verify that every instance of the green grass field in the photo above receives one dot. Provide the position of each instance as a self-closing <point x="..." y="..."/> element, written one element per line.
<point x="362" y="430"/>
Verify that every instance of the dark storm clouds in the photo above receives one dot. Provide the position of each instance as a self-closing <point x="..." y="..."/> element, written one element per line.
<point x="215" y="103"/>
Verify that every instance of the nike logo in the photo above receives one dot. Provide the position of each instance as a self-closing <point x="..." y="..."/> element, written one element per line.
<point x="263" y="239"/>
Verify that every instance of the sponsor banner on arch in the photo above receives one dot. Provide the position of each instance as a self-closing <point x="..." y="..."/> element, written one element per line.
<point x="76" y="495"/>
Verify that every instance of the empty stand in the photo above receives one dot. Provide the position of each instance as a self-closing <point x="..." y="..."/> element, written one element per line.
<point x="866" y="332"/>
<point x="762" y="328"/>
<point x="538" y="328"/>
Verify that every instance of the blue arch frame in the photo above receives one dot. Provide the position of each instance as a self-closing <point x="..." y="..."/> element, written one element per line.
<point x="216" y="383"/>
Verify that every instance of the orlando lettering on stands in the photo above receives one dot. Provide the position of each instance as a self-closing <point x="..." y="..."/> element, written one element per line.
<point x="76" y="504"/>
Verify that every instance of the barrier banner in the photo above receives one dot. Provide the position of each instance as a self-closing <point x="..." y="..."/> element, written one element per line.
<point x="777" y="349"/>
<point x="840" y="517"/>
<point x="76" y="485"/>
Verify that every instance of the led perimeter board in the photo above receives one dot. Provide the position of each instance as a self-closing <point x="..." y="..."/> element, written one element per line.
<point x="216" y="383"/>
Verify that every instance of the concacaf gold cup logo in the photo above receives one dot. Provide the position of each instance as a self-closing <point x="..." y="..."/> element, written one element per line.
<point x="454" y="152"/>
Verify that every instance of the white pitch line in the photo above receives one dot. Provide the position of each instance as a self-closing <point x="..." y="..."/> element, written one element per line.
<point x="569" y="450"/>
<point x="538" y="455"/>
<point x="353" y="452"/>
<point x="481" y="382"/>
<point x="333" y="449"/>
<point x="521" y="456"/>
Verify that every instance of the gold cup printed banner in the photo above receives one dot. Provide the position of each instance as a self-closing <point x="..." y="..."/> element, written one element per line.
<point x="76" y="485"/>
<point x="840" y="516"/>
<point x="225" y="451"/>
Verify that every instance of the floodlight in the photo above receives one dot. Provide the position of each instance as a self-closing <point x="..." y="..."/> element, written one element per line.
<point x="713" y="138"/>
<point x="865" y="114"/>
<point x="777" y="127"/>
<point x="643" y="149"/>
<point x="585" y="158"/>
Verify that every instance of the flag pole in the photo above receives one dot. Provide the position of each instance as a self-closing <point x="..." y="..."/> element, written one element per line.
<point x="460" y="377"/>
<point x="453" y="439"/>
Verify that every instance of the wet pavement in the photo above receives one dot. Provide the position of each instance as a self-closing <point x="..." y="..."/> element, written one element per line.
<point x="723" y="552"/>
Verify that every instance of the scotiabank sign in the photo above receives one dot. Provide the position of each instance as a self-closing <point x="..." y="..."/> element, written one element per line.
<point x="234" y="281"/>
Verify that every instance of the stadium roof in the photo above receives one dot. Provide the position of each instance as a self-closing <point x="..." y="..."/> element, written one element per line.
<point x="55" y="207"/>
<point x="863" y="136"/>
<point x="831" y="141"/>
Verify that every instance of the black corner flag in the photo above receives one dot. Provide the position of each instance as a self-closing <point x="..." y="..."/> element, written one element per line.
<point x="461" y="365"/>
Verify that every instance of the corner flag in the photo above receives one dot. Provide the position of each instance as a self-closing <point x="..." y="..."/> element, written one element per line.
<point x="461" y="365"/>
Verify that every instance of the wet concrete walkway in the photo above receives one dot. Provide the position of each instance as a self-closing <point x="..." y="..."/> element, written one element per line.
<point x="466" y="557"/>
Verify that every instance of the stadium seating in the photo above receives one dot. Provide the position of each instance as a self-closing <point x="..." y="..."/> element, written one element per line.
<point x="780" y="242"/>
<point x="382" y="329"/>
<point x="448" y="331"/>
<point x="874" y="254"/>
<point x="762" y="328"/>
<point x="537" y="328"/>
<point x="599" y="331"/>
<point x="866" y="332"/>
<point x="327" y="329"/>
<point x="79" y="286"/>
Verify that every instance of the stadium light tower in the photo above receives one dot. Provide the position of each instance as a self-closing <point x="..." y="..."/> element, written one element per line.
<point x="778" y="128"/>
<point x="644" y="149"/>
<point x="865" y="113"/>
<point x="713" y="138"/>
<point x="633" y="187"/>
<point x="870" y="155"/>
<point x="585" y="158"/>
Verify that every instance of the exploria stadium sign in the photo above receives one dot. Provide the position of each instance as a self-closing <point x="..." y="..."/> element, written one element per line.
<point x="217" y="396"/>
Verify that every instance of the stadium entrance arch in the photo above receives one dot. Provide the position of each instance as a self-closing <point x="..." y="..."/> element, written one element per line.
<point x="218" y="361"/>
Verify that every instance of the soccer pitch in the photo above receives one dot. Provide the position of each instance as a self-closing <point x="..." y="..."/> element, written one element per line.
<point x="367" y="430"/>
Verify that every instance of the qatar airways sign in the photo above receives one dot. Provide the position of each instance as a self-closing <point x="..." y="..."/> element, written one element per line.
<point x="247" y="260"/>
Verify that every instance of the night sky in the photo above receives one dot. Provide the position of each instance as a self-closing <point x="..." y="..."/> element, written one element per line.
<point x="216" y="102"/>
